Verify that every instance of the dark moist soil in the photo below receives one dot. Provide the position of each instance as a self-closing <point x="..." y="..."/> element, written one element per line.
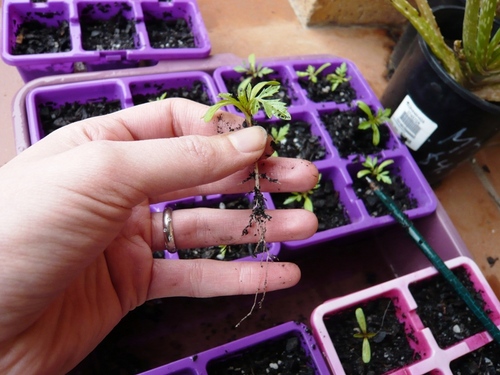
<point x="328" y="208"/>
<point x="34" y="37"/>
<point x="116" y="33"/>
<point x="440" y="308"/>
<point x="172" y="33"/>
<point x="390" y="348"/>
<point x="299" y="142"/>
<point x="484" y="361"/>
<point x="320" y="91"/>
<point x="280" y="356"/>
<point x="232" y="252"/>
<point x="54" y="117"/>
<point x="397" y="190"/>
<point x="347" y="138"/>
<point x="284" y="93"/>
<point x="197" y="92"/>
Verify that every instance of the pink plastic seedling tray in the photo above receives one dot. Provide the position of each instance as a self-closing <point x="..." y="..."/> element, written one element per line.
<point x="434" y="359"/>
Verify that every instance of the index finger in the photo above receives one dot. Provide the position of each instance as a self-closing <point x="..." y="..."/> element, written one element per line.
<point x="167" y="118"/>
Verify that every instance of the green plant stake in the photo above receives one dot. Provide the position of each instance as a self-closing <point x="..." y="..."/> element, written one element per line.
<point x="474" y="61"/>
<point x="374" y="121"/>
<point x="376" y="171"/>
<point x="251" y="71"/>
<point x="436" y="261"/>
<point x="366" y="353"/>
<point x="311" y="73"/>
<point x="340" y="76"/>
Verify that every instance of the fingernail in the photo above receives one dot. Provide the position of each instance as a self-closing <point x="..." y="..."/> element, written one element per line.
<point x="249" y="139"/>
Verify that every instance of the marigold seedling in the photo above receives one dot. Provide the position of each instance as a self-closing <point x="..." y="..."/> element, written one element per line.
<point x="252" y="71"/>
<point x="366" y="353"/>
<point x="311" y="73"/>
<point x="304" y="196"/>
<point x="222" y="252"/>
<point x="279" y="135"/>
<point x="339" y="77"/>
<point x="374" y="121"/>
<point x="249" y="100"/>
<point x="376" y="171"/>
<point x="161" y="97"/>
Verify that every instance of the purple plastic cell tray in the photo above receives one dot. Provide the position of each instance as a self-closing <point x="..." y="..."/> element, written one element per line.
<point x="200" y="362"/>
<point x="340" y="170"/>
<point x="78" y="14"/>
<point x="122" y="89"/>
<point x="433" y="358"/>
<point x="334" y="166"/>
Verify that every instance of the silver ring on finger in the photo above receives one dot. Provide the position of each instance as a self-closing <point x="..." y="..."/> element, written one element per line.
<point x="168" y="230"/>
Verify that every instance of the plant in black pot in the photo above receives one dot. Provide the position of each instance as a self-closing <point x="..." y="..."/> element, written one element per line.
<point x="445" y="91"/>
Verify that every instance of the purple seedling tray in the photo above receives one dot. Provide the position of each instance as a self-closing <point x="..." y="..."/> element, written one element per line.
<point x="339" y="169"/>
<point x="199" y="363"/>
<point x="199" y="201"/>
<point x="15" y="12"/>
<point x="361" y="221"/>
<point x="433" y="358"/>
<point x="121" y="89"/>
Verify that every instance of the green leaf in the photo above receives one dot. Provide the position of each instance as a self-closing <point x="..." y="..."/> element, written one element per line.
<point x="366" y="353"/>
<point x="376" y="135"/>
<point x="366" y="109"/>
<point x="280" y="134"/>
<point x="364" y="125"/>
<point x="362" y="173"/>
<point x="265" y="71"/>
<point x="213" y="109"/>
<point x="291" y="199"/>
<point x="385" y="163"/>
<point x="308" y="204"/>
<point x="360" y="318"/>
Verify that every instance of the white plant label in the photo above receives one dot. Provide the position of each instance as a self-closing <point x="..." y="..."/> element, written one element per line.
<point x="410" y="123"/>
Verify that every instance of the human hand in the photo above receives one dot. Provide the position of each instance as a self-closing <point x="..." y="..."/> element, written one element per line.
<point x="77" y="235"/>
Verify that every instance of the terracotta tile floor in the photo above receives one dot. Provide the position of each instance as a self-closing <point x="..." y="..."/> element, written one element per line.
<point x="270" y="29"/>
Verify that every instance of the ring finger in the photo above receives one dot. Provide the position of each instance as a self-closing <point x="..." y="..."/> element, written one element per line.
<point x="203" y="227"/>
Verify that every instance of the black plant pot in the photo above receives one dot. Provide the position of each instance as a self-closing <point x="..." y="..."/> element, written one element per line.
<point x="423" y="96"/>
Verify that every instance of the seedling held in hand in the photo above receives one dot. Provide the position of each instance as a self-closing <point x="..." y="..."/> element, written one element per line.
<point x="249" y="100"/>
<point x="304" y="196"/>
<point x="311" y="73"/>
<point x="376" y="171"/>
<point x="366" y="353"/>
<point x="252" y="71"/>
<point x="373" y="121"/>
